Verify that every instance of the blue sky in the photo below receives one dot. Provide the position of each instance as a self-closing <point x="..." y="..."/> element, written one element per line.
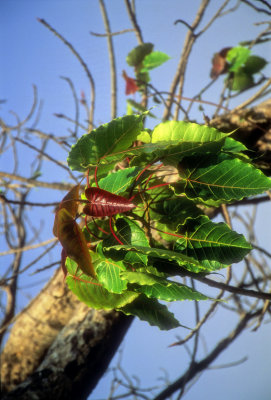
<point x="32" y="55"/>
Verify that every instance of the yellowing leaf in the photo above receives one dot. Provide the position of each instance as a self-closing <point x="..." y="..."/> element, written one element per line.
<point x="73" y="241"/>
<point x="69" y="203"/>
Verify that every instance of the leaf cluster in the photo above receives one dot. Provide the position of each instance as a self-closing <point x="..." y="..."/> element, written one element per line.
<point x="177" y="170"/>
<point x="242" y="67"/>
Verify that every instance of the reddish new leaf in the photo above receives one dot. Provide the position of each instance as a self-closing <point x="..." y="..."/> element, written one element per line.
<point x="219" y="62"/>
<point x="73" y="241"/>
<point x="131" y="86"/>
<point x="102" y="203"/>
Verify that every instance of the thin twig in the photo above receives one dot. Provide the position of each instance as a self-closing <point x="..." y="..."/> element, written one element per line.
<point x="26" y="248"/>
<point x="111" y="55"/>
<point x="112" y="33"/>
<point x="76" y="122"/>
<point x="84" y="65"/>
<point x="132" y="16"/>
<point x="46" y="156"/>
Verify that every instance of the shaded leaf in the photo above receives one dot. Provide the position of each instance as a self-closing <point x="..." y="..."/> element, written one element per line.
<point x="254" y="64"/>
<point x="152" y="311"/>
<point x="136" y="56"/>
<point x="241" y="81"/>
<point x="130" y="233"/>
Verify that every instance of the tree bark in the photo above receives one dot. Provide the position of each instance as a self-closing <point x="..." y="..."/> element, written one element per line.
<point x="58" y="347"/>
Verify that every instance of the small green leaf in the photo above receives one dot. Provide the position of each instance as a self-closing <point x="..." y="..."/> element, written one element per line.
<point x="130" y="233"/>
<point x="154" y="60"/>
<point x="136" y="56"/>
<point x="118" y="182"/>
<point x="241" y="81"/>
<point x="108" y="272"/>
<point x="137" y="106"/>
<point x="237" y="56"/>
<point x="152" y="311"/>
<point x="91" y="292"/>
<point x="254" y="64"/>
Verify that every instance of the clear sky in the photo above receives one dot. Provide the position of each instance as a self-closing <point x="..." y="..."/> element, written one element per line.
<point x="30" y="54"/>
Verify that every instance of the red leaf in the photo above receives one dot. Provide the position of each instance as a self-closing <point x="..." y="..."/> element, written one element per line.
<point x="219" y="62"/>
<point x="73" y="241"/>
<point x="131" y="86"/>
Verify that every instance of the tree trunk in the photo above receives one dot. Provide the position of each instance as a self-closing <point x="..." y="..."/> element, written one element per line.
<point x="58" y="347"/>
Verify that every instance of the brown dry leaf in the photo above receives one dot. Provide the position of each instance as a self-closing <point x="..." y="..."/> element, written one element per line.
<point x="73" y="241"/>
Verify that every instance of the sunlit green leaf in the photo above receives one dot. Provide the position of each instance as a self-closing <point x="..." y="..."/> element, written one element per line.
<point x="154" y="60"/>
<point x="116" y="136"/>
<point x="213" y="245"/>
<point x="108" y="272"/>
<point x="237" y="56"/>
<point x="160" y="288"/>
<point x="220" y="179"/>
<point x="91" y="292"/>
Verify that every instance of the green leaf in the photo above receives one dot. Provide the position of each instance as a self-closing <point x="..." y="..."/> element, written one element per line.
<point x="190" y="132"/>
<point x="108" y="272"/>
<point x="181" y="259"/>
<point x="91" y="292"/>
<point x="152" y="311"/>
<point x="254" y="64"/>
<point x="154" y="60"/>
<point x="233" y="146"/>
<point x="175" y="210"/>
<point x="136" y="56"/>
<point x="237" y="56"/>
<point x="162" y="289"/>
<point x="130" y="233"/>
<point x="174" y="140"/>
<point x="116" y="136"/>
<point x="220" y="179"/>
<point x="241" y="81"/>
<point x="118" y="182"/>
<point x="213" y="245"/>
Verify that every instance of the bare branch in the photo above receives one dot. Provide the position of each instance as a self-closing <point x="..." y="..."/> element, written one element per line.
<point x="84" y="65"/>
<point x="111" y="55"/>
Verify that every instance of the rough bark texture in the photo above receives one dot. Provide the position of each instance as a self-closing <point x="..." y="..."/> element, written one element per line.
<point x="253" y="128"/>
<point x="58" y="348"/>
